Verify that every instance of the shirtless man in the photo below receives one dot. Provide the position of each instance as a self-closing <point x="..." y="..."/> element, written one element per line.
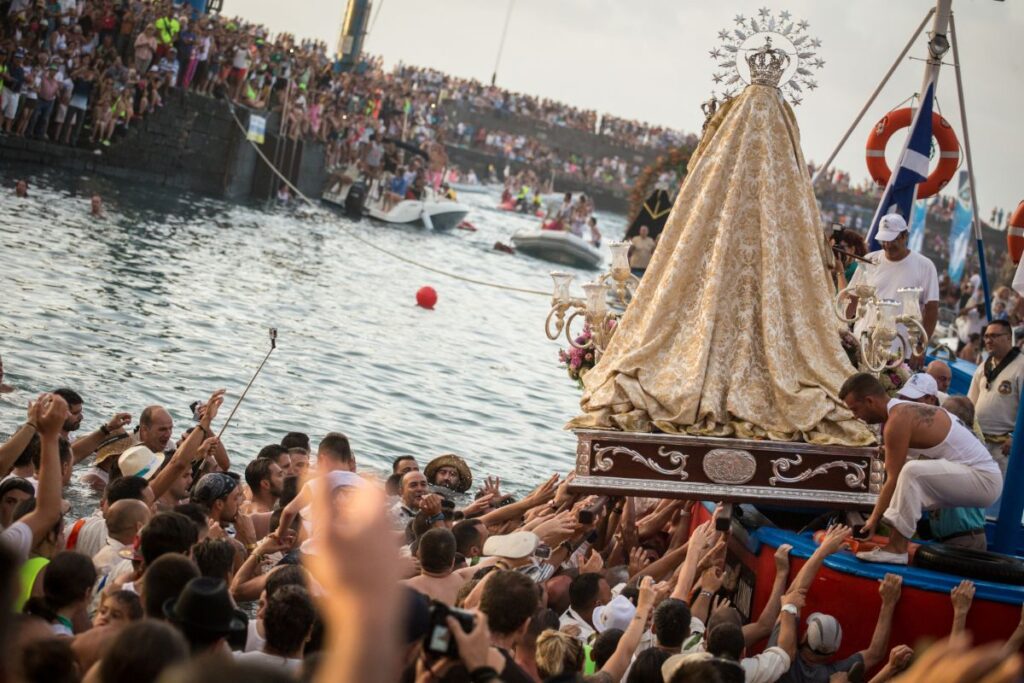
<point x="953" y="468"/>
<point x="437" y="580"/>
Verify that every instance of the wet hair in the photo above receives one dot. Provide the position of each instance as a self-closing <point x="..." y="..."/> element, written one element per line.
<point x="467" y="534"/>
<point x="271" y="452"/>
<point x="288" y="618"/>
<point x="672" y="622"/>
<point x="861" y="385"/>
<point x="726" y="640"/>
<point x="393" y="485"/>
<point x="125" y="487"/>
<point x="584" y="591"/>
<point x="70" y="396"/>
<point x="16" y="484"/>
<point x="558" y="653"/>
<point x="295" y="440"/>
<point x="215" y="557"/>
<point x="69" y="577"/>
<point x="141" y="651"/>
<point x="647" y="666"/>
<point x="259" y="470"/>
<point x="165" y="579"/>
<point x="195" y="514"/>
<point x="436" y="550"/>
<point x="285" y="575"/>
<point x="130" y="601"/>
<point x="167" y="532"/>
<point x="508" y="600"/>
<point x="400" y="459"/>
<point x="336" y="447"/>
<point x="63" y="452"/>
<point x="30" y="453"/>
<point x="49" y="661"/>
<point x="604" y="646"/>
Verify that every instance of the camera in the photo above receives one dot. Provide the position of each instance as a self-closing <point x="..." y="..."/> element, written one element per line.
<point x="439" y="640"/>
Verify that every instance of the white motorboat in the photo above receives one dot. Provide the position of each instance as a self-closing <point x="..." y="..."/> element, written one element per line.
<point x="472" y="188"/>
<point x="557" y="246"/>
<point x="433" y="211"/>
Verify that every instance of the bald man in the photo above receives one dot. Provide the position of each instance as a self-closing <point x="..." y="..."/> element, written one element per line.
<point x="155" y="428"/>
<point x="940" y="372"/>
<point x="125" y="518"/>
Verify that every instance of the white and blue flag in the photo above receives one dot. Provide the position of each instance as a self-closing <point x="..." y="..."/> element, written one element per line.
<point x="911" y="169"/>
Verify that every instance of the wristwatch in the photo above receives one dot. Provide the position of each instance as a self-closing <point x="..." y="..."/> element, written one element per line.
<point x="791" y="608"/>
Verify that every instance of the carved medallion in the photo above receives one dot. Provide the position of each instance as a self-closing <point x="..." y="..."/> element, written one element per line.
<point x="583" y="457"/>
<point x="729" y="466"/>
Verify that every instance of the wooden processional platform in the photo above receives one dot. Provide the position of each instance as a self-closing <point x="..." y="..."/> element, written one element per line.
<point x="727" y="470"/>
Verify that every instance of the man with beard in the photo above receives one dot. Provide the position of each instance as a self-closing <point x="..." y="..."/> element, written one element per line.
<point x="265" y="479"/>
<point x="84" y="446"/>
<point x="220" y="495"/>
<point x="449" y="471"/>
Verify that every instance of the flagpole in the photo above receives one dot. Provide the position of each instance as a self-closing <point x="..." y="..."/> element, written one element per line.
<point x="979" y="241"/>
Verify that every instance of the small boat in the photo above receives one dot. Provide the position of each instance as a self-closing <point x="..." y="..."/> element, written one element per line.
<point x="471" y="188"/>
<point x="557" y="246"/>
<point x="433" y="211"/>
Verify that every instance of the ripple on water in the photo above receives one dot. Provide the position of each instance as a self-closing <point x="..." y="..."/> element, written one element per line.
<point x="170" y="296"/>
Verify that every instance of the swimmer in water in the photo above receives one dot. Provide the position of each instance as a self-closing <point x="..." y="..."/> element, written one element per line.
<point x="21" y="188"/>
<point x="96" y="206"/>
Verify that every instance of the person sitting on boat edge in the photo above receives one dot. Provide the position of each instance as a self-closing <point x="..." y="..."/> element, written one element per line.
<point x="953" y="468"/>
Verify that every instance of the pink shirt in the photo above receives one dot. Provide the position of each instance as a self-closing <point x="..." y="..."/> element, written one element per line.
<point x="48" y="88"/>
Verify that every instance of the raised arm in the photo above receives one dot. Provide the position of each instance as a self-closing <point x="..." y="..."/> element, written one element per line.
<point x="832" y="542"/>
<point x="53" y="410"/>
<point x="538" y="496"/>
<point x="193" y="445"/>
<point x="700" y="542"/>
<point x="84" y="446"/>
<point x="889" y="589"/>
<point x="14" y="446"/>
<point x="762" y="628"/>
<point x="620" y="659"/>
<point x="962" y="596"/>
<point x="789" y="620"/>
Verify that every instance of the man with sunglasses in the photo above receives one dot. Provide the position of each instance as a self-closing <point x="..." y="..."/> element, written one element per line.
<point x="995" y="390"/>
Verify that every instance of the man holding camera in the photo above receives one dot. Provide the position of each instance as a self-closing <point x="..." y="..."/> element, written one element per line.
<point x="897" y="267"/>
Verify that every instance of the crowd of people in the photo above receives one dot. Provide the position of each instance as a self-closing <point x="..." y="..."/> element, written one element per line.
<point x="302" y="565"/>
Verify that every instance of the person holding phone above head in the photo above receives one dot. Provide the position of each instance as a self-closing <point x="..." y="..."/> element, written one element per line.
<point x="953" y="468"/>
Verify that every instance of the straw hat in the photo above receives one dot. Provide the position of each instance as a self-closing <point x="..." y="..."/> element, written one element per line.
<point x="113" y="445"/>
<point x="450" y="460"/>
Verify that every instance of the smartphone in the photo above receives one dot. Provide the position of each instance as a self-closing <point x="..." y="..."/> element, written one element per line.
<point x="439" y="640"/>
<point x="585" y="517"/>
<point x="542" y="551"/>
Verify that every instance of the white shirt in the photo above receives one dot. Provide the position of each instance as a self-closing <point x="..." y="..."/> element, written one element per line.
<point x="570" y="617"/>
<point x="92" y="537"/>
<point x="259" y="657"/>
<point x="996" y="406"/>
<point x="18" y="539"/>
<point x="767" y="667"/>
<point x="254" y="642"/>
<point x="108" y="556"/>
<point x="887" y="277"/>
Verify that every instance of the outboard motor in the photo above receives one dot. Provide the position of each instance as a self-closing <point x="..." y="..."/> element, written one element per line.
<point x="356" y="200"/>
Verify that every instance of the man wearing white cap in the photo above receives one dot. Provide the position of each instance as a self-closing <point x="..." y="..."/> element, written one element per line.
<point x="897" y="267"/>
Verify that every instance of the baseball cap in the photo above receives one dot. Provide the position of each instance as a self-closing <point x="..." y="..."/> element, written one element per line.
<point x="919" y="385"/>
<point x="890" y="227"/>
<point x="514" y="546"/>
<point x="824" y="634"/>
<point x="616" y="614"/>
<point x="139" y="461"/>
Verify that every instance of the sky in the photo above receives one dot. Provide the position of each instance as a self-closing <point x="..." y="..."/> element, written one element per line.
<point x="648" y="60"/>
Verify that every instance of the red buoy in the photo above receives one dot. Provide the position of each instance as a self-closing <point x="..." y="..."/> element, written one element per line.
<point x="426" y="297"/>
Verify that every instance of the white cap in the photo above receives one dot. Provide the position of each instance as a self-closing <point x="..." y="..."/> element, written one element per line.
<point x="919" y="385"/>
<point x="616" y="614"/>
<point x="890" y="227"/>
<point x="514" y="546"/>
<point x="139" y="461"/>
<point x="824" y="634"/>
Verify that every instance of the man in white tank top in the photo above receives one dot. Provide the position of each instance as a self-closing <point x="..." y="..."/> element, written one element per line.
<point x="952" y="467"/>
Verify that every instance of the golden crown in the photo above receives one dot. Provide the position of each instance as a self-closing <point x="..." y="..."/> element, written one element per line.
<point x="767" y="64"/>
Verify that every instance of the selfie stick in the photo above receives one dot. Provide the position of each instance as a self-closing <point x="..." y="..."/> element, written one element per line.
<point x="852" y="255"/>
<point x="273" y="345"/>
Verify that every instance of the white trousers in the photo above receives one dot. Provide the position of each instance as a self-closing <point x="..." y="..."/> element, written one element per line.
<point x="929" y="484"/>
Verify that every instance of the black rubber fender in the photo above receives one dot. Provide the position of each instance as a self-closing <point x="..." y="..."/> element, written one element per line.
<point x="970" y="564"/>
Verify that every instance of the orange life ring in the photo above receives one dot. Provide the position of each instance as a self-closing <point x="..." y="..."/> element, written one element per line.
<point x="949" y="156"/>
<point x="1015" y="233"/>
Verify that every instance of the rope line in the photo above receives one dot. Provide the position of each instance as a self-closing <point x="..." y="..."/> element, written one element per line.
<point x="372" y="245"/>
